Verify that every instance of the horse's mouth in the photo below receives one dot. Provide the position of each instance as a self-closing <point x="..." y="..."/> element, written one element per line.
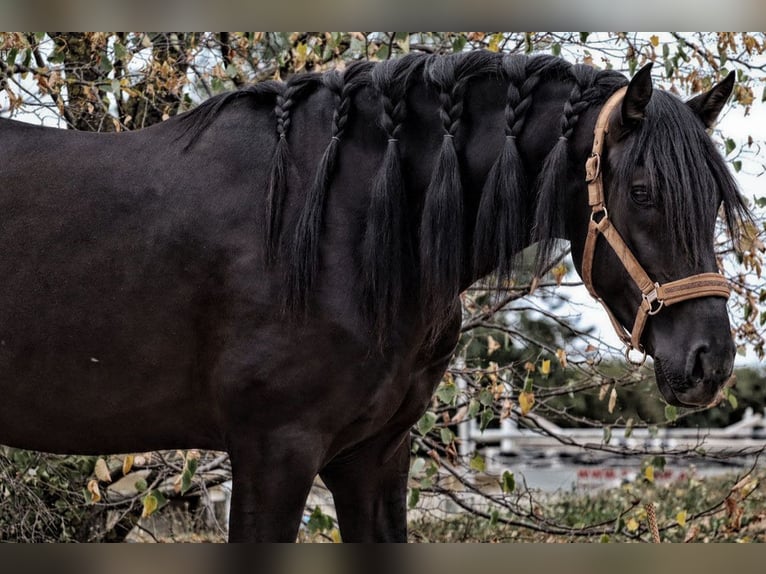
<point x="681" y="393"/>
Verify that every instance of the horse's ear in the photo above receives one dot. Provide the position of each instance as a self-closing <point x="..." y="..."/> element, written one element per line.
<point x="637" y="97"/>
<point x="708" y="105"/>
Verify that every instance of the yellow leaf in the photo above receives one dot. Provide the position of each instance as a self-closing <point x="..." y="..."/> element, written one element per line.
<point x="127" y="463"/>
<point x="150" y="505"/>
<point x="681" y="518"/>
<point x="649" y="473"/>
<point x="526" y="402"/>
<point x="492" y="345"/>
<point x="545" y="367"/>
<point x="335" y="536"/>
<point x="632" y="525"/>
<point x="559" y="272"/>
<point x="654" y="40"/>
<point x="102" y="471"/>
<point x="95" y="493"/>
<point x="612" y="400"/>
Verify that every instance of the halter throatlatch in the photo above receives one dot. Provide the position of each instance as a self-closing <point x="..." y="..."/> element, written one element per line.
<point x="654" y="297"/>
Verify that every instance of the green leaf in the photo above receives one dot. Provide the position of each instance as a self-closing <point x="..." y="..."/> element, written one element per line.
<point x="417" y="466"/>
<point x="119" y="51"/>
<point x="486" y="417"/>
<point x="607" y="434"/>
<point x="447" y="436"/>
<point x="508" y="482"/>
<point x="140" y="485"/>
<point x="584" y="37"/>
<point x="629" y="428"/>
<point x="671" y="413"/>
<point x="459" y="43"/>
<point x="447" y="392"/>
<point x="473" y="408"/>
<point x="556" y="49"/>
<point x="319" y="521"/>
<point x="730" y="145"/>
<point x="731" y="397"/>
<point x="478" y="463"/>
<point x="152" y="502"/>
<point x="426" y="423"/>
<point x="669" y="68"/>
<point x="485" y="397"/>
<point x="737" y="165"/>
<point x="493" y="516"/>
<point x="11" y="58"/>
<point x="414" y="498"/>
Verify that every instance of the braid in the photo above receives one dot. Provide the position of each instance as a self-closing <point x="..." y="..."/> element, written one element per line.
<point x="385" y="245"/>
<point x="277" y="188"/>
<point x="502" y="208"/>
<point x="305" y="258"/>
<point x="553" y="178"/>
<point x="442" y="218"/>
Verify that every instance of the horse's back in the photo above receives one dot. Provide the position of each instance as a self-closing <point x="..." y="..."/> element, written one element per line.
<point x="110" y="277"/>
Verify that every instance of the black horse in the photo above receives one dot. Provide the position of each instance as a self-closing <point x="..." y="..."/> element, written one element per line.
<point x="276" y="273"/>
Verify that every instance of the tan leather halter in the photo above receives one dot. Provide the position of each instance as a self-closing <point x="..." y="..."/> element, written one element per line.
<point x="653" y="295"/>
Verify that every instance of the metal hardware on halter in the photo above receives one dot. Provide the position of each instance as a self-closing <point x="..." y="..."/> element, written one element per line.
<point x="654" y="297"/>
<point x="651" y="298"/>
<point x="629" y="348"/>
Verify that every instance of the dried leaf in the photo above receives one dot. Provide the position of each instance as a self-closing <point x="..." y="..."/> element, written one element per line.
<point x="150" y="505"/>
<point x="655" y="40"/>
<point x="95" y="493"/>
<point x="492" y="345"/>
<point x="612" y="400"/>
<point x="102" y="471"/>
<point x="561" y="355"/>
<point x="692" y="534"/>
<point x="526" y="402"/>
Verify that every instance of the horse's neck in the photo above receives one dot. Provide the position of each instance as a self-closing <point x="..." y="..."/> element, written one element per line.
<point x="541" y="130"/>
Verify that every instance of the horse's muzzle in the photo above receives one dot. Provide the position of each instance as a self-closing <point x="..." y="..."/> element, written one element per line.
<point x="697" y="380"/>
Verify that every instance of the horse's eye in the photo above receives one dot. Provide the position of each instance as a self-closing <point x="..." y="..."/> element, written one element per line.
<point x="640" y="195"/>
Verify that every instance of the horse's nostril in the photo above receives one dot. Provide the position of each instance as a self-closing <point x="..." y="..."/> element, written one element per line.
<point x="698" y="365"/>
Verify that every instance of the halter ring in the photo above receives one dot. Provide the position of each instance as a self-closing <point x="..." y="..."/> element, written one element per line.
<point x="601" y="211"/>
<point x="641" y="350"/>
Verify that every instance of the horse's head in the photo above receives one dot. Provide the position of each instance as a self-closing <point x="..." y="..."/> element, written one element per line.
<point x="661" y="182"/>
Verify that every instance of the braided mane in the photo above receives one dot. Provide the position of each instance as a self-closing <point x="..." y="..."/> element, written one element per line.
<point x="512" y="211"/>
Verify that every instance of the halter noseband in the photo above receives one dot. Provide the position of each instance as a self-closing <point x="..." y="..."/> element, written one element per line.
<point x="653" y="295"/>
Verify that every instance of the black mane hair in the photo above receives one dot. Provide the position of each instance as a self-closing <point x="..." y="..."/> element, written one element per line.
<point x="510" y="212"/>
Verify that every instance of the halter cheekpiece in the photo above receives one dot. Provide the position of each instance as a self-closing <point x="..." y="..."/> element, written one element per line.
<point x="654" y="297"/>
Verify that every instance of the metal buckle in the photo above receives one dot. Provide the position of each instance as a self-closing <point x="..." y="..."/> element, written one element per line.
<point x="630" y="348"/>
<point x="651" y="299"/>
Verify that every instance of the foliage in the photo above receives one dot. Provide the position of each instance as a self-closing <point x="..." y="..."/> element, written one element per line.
<point x="516" y="357"/>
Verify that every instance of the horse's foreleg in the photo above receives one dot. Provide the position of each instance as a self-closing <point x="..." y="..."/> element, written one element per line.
<point x="370" y="492"/>
<point x="271" y="482"/>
